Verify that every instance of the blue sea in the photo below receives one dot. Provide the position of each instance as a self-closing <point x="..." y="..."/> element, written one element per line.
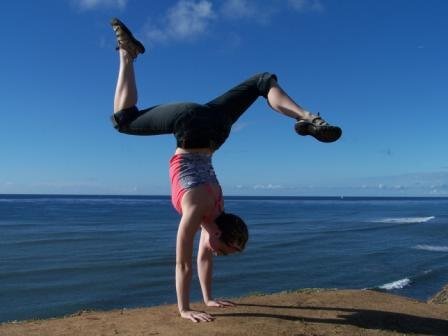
<point x="63" y="254"/>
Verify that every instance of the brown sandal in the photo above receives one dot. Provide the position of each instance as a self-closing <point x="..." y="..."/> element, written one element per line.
<point x="319" y="129"/>
<point x="125" y="39"/>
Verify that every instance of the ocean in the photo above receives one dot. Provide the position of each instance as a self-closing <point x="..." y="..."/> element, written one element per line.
<point x="63" y="254"/>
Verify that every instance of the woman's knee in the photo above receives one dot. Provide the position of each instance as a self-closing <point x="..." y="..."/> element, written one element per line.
<point x="122" y="118"/>
<point x="265" y="81"/>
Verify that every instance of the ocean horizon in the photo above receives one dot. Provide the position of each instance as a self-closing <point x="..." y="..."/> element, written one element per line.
<point x="64" y="253"/>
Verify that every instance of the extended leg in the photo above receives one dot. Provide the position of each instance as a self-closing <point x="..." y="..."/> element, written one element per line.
<point x="126" y="89"/>
<point x="129" y="48"/>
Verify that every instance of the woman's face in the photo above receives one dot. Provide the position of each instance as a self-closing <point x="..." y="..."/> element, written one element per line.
<point x="219" y="248"/>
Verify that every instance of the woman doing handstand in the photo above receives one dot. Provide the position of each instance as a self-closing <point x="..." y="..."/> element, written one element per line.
<point x="200" y="129"/>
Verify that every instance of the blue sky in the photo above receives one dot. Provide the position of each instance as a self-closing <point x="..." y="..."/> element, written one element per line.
<point x="377" y="68"/>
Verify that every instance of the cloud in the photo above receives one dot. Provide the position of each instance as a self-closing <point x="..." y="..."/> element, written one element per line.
<point x="248" y="9"/>
<point x="238" y="9"/>
<point x="430" y="183"/>
<point x="409" y="184"/>
<point x="267" y="186"/>
<point x="93" y="4"/>
<point x="306" y="5"/>
<point x="186" y="20"/>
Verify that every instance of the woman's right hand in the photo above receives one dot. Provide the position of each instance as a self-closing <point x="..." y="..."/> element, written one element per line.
<point x="196" y="316"/>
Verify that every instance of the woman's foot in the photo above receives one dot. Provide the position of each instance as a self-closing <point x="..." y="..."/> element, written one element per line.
<point x="319" y="129"/>
<point x="125" y="39"/>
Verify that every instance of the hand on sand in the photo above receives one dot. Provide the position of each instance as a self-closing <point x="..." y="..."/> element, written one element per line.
<point x="197" y="316"/>
<point x="220" y="303"/>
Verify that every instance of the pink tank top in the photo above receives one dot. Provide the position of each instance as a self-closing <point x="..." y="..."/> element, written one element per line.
<point x="190" y="170"/>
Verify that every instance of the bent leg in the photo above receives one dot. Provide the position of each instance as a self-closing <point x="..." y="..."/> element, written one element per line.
<point x="237" y="100"/>
<point x="307" y="122"/>
<point x="234" y="102"/>
<point x="127" y="118"/>
<point x="159" y="119"/>
<point x="279" y="100"/>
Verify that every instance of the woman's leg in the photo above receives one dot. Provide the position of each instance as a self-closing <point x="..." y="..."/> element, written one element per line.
<point x="129" y="48"/>
<point x="237" y="100"/>
<point x="127" y="118"/>
<point x="279" y="100"/>
<point x="308" y="123"/>
<point x="126" y="89"/>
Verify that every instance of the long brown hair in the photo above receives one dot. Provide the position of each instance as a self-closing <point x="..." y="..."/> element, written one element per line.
<point x="233" y="229"/>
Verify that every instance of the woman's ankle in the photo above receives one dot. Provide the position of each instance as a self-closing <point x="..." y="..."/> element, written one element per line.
<point x="126" y="56"/>
<point x="306" y="115"/>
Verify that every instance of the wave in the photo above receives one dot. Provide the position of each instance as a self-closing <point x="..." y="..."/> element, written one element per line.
<point x="405" y="220"/>
<point x="399" y="284"/>
<point x="402" y="283"/>
<point x="431" y="248"/>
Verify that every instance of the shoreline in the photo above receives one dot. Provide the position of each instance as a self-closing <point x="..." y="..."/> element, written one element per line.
<point x="308" y="311"/>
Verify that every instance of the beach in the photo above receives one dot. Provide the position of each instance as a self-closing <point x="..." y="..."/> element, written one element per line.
<point x="308" y="312"/>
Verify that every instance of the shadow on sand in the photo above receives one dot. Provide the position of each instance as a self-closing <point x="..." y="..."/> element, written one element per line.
<point x="367" y="319"/>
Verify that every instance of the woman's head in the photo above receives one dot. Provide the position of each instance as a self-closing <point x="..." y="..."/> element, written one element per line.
<point x="233" y="230"/>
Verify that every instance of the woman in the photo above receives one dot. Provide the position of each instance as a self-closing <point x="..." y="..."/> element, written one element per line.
<point x="200" y="129"/>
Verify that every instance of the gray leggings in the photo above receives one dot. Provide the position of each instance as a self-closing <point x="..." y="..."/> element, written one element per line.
<point x="196" y="125"/>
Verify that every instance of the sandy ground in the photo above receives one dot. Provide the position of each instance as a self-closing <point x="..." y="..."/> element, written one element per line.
<point x="441" y="297"/>
<point x="302" y="313"/>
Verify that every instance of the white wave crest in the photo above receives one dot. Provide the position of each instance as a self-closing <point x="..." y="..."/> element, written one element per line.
<point x="405" y="220"/>
<point x="432" y="248"/>
<point x="396" y="284"/>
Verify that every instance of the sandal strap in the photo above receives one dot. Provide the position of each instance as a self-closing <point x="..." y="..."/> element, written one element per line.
<point x="125" y="39"/>
<point x="319" y="121"/>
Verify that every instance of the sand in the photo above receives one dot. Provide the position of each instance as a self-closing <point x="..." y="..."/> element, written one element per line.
<point x="302" y="313"/>
<point x="441" y="297"/>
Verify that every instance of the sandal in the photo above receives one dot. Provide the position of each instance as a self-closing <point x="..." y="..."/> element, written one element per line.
<point x="319" y="129"/>
<point x="125" y="39"/>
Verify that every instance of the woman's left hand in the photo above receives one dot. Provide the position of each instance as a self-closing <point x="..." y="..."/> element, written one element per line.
<point x="220" y="303"/>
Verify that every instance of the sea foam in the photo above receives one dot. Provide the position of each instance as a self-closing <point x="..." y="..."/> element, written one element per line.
<point x="399" y="284"/>
<point x="431" y="248"/>
<point x="405" y="220"/>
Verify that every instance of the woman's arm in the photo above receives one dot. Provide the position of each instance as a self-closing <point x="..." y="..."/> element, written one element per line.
<point x="205" y="273"/>
<point x="205" y="267"/>
<point x="189" y="224"/>
<point x="184" y="252"/>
